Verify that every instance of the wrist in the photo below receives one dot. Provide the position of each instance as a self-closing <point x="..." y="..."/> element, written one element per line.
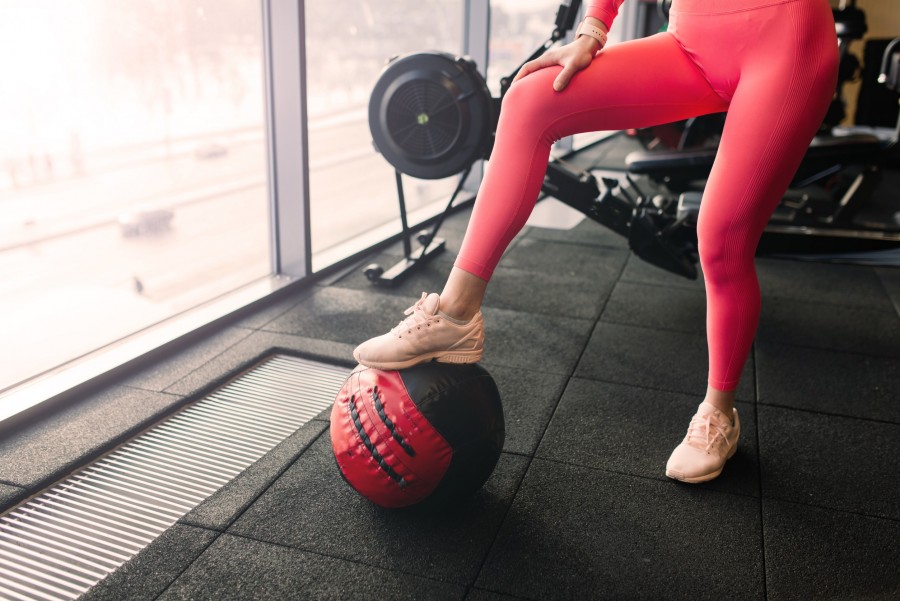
<point x="597" y="23"/>
<point x="592" y="44"/>
<point x="593" y="29"/>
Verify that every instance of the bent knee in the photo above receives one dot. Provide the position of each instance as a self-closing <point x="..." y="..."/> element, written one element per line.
<point x="531" y="100"/>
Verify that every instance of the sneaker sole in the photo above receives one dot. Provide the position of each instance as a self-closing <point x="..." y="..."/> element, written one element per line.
<point x="457" y="357"/>
<point x="704" y="477"/>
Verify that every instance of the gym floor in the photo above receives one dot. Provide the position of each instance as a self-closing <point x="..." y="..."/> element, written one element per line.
<point x="600" y="359"/>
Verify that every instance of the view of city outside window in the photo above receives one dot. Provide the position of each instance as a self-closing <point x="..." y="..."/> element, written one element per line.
<point x="353" y="194"/>
<point x="132" y="169"/>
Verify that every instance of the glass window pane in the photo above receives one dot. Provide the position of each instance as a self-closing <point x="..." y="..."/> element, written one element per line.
<point x="518" y="28"/>
<point x="353" y="197"/>
<point x="133" y="177"/>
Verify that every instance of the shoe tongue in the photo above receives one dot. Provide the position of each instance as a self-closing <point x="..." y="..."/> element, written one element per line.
<point x="432" y="303"/>
<point x="707" y="409"/>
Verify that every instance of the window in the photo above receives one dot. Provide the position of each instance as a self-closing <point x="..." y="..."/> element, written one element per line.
<point x="353" y="195"/>
<point x="133" y="180"/>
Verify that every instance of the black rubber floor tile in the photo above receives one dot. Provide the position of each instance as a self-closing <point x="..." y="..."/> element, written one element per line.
<point x="10" y="495"/>
<point x="639" y="271"/>
<point x="529" y="398"/>
<point x="578" y="533"/>
<point x="34" y="456"/>
<point x="828" y="381"/>
<point x="851" y="285"/>
<point x="573" y="260"/>
<point x="272" y="309"/>
<point x="835" y="462"/>
<point x="164" y="373"/>
<point x="157" y="566"/>
<point x="310" y="507"/>
<point x="548" y="293"/>
<point x="427" y="277"/>
<point x="254" y="348"/>
<point x="515" y="289"/>
<point x="634" y="430"/>
<point x="477" y="594"/>
<point x="220" y="509"/>
<point x="240" y="568"/>
<point x="587" y="232"/>
<point x="836" y="327"/>
<point x="828" y="555"/>
<point x="527" y="340"/>
<point x="343" y="315"/>
<point x="653" y="358"/>
<point x="670" y="308"/>
<point x="890" y="279"/>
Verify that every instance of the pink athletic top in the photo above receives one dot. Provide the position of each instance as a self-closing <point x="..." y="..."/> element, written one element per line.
<point x="604" y="10"/>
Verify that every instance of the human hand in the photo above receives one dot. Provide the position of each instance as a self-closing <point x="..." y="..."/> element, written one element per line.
<point x="573" y="57"/>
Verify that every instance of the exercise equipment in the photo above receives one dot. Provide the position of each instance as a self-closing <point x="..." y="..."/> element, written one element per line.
<point x="431" y="116"/>
<point x="429" y="435"/>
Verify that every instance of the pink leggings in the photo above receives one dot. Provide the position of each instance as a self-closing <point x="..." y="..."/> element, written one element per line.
<point x="772" y="64"/>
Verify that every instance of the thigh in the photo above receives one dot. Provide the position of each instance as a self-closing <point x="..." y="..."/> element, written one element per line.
<point x="633" y="84"/>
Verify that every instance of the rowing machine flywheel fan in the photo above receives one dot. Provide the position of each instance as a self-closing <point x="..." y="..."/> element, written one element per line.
<point x="430" y="114"/>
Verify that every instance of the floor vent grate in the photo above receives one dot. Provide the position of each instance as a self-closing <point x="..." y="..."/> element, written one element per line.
<point x="61" y="543"/>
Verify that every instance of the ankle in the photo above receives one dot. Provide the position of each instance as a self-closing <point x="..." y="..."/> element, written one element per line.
<point x="458" y="310"/>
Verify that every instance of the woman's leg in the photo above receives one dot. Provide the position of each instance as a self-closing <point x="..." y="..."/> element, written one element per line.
<point x="776" y="109"/>
<point x="635" y="84"/>
<point x="785" y="80"/>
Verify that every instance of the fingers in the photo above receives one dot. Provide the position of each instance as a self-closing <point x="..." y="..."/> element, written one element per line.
<point x="562" y="80"/>
<point x="535" y="65"/>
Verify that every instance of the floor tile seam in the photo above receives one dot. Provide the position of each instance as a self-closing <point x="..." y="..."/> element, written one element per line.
<point x="692" y="333"/>
<point x="319" y="553"/>
<point x="648" y="388"/>
<point x="685" y="287"/>
<point x="142" y="389"/>
<point x="894" y="520"/>
<point x="12" y="484"/>
<point x="759" y="476"/>
<point x="217" y="536"/>
<point x="507" y="365"/>
<point x="234" y="369"/>
<point x="505" y="594"/>
<point x="829" y="414"/>
<point x="530" y="460"/>
<point x="538" y="313"/>
<point x="665" y="480"/>
<point x="819" y="348"/>
<point x="769" y="340"/>
<point x="799" y="301"/>
<point x="519" y="453"/>
<point x="830" y="349"/>
<point x="884" y="287"/>
<point x="521" y="313"/>
<point x="772" y="297"/>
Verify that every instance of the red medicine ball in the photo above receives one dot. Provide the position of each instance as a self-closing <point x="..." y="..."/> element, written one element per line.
<point x="432" y="433"/>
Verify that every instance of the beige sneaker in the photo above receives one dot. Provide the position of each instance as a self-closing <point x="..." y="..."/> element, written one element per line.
<point x="711" y="441"/>
<point x="426" y="334"/>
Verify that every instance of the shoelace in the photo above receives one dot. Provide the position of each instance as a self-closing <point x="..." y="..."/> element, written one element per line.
<point x="416" y="317"/>
<point x="706" y="424"/>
